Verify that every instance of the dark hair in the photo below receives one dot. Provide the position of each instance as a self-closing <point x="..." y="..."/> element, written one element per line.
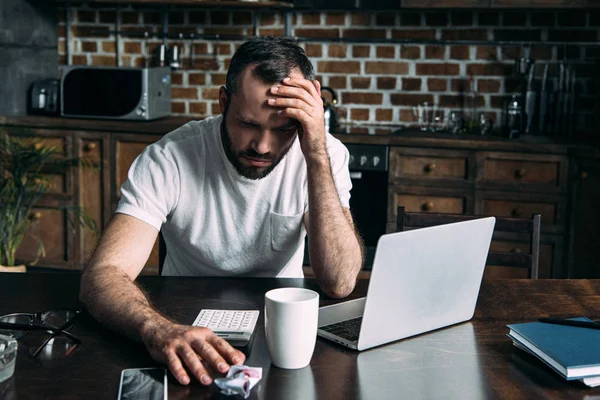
<point x="273" y="58"/>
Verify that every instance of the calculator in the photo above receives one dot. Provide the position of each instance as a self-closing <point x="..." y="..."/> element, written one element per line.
<point x="235" y="326"/>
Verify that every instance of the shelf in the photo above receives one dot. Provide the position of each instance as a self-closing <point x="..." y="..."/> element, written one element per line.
<point x="190" y="3"/>
<point x="347" y="5"/>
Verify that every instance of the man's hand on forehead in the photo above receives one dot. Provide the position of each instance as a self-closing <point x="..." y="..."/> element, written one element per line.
<point x="300" y="99"/>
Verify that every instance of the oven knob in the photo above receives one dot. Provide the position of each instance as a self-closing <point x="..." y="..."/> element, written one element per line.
<point x="363" y="160"/>
<point x="351" y="159"/>
<point x="376" y="160"/>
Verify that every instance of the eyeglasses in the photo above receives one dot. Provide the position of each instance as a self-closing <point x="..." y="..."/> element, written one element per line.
<point x="55" y="322"/>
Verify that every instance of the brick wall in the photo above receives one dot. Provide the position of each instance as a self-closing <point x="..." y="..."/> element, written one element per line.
<point x="377" y="83"/>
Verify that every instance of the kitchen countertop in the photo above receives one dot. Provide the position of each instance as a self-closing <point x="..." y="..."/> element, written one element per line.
<point x="391" y="135"/>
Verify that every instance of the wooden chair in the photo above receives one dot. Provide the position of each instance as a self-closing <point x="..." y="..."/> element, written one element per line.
<point x="413" y="220"/>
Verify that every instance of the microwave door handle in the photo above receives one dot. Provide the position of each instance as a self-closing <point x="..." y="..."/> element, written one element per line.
<point x="355" y="175"/>
<point x="42" y="99"/>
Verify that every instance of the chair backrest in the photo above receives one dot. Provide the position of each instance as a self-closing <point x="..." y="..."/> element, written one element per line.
<point x="412" y="220"/>
<point x="162" y="252"/>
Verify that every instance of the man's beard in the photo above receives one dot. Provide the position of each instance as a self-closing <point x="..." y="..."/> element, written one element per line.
<point x="253" y="173"/>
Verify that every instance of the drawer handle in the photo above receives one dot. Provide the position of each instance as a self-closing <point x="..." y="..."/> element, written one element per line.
<point x="516" y="212"/>
<point x="584" y="175"/>
<point x="516" y="250"/>
<point x="35" y="216"/>
<point x="430" y="167"/>
<point x="428" y="206"/>
<point x="90" y="146"/>
<point x="520" y="173"/>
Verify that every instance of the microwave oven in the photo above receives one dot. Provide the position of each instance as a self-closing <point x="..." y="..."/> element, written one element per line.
<point x="115" y="92"/>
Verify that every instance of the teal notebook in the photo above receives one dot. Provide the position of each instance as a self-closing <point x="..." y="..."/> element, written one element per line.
<point x="573" y="352"/>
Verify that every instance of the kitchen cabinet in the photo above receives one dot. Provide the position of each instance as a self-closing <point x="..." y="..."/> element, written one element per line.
<point x="445" y="3"/>
<point x="474" y="180"/>
<point x="187" y="3"/>
<point x="97" y="190"/>
<point x="347" y="4"/>
<point x="50" y="225"/>
<point x="537" y="3"/>
<point x="440" y="173"/>
<point x="431" y="167"/>
<point x="426" y="199"/>
<point x="68" y="245"/>
<point x="535" y="173"/>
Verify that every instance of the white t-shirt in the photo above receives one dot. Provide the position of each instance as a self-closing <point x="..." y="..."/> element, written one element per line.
<point x="214" y="221"/>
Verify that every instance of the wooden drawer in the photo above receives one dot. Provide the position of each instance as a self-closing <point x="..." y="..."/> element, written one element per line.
<point x="426" y="164"/>
<point x="49" y="227"/>
<point x="498" y="272"/>
<point x="536" y="3"/>
<point x="522" y="172"/>
<point x="60" y="182"/>
<point x="505" y="204"/>
<point x="520" y="209"/>
<point x="419" y="199"/>
<point x="444" y="3"/>
<point x="550" y="256"/>
<point x="59" y="143"/>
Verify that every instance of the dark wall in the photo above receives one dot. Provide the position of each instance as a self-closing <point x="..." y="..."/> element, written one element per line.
<point x="28" y="50"/>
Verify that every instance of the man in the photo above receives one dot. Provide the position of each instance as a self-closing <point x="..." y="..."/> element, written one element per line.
<point x="233" y="195"/>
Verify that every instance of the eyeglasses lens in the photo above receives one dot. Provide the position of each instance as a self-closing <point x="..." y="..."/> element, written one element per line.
<point x="21" y="319"/>
<point x="56" y="319"/>
<point x="58" y="347"/>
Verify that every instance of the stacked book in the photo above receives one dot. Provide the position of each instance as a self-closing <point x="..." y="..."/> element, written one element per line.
<point x="572" y="349"/>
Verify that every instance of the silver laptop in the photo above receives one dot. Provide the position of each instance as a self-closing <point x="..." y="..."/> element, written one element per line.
<point x="421" y="280"/>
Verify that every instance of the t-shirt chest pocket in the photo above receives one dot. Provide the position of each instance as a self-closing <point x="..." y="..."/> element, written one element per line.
<point x="285" y="231"/>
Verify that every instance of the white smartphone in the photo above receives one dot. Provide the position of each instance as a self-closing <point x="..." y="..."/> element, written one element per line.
<point x="143" y="383"/>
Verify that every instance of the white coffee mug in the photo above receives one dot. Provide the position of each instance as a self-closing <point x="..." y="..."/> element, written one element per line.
<point x="291" y="319"/>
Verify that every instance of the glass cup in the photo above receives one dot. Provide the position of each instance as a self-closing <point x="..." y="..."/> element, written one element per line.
<point x="8" y="356"/>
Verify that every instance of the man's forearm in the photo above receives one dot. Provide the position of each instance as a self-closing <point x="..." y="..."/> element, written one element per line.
<point x="115" y="300"/>
<point x="335" y="248"/>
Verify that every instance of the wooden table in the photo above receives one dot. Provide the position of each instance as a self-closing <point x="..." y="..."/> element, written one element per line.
<point x="468" y="361"/>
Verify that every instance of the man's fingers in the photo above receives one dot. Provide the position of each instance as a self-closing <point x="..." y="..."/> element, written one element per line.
<point x="286" y="102"/>
<point x="294" y="113"/>
<point x="303" y="83"/>
<point x="226" y="350"/>
<point x="193" y="352"/>
<point x="176" y="368"/>
<point x="191" y="359"/>
<point x="210" y="355"/>
<point x="282" y="91"/>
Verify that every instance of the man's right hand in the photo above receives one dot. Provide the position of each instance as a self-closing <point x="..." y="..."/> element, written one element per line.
<point x="194" y="348"/>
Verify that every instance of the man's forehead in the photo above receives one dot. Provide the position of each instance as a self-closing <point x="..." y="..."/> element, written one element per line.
<point x="251" y="88"/>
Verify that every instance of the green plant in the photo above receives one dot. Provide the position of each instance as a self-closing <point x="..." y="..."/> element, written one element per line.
<point x="25" y="162"/>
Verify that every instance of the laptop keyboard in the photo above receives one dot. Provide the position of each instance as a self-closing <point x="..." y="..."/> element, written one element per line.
<point x="348" y="329"/>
